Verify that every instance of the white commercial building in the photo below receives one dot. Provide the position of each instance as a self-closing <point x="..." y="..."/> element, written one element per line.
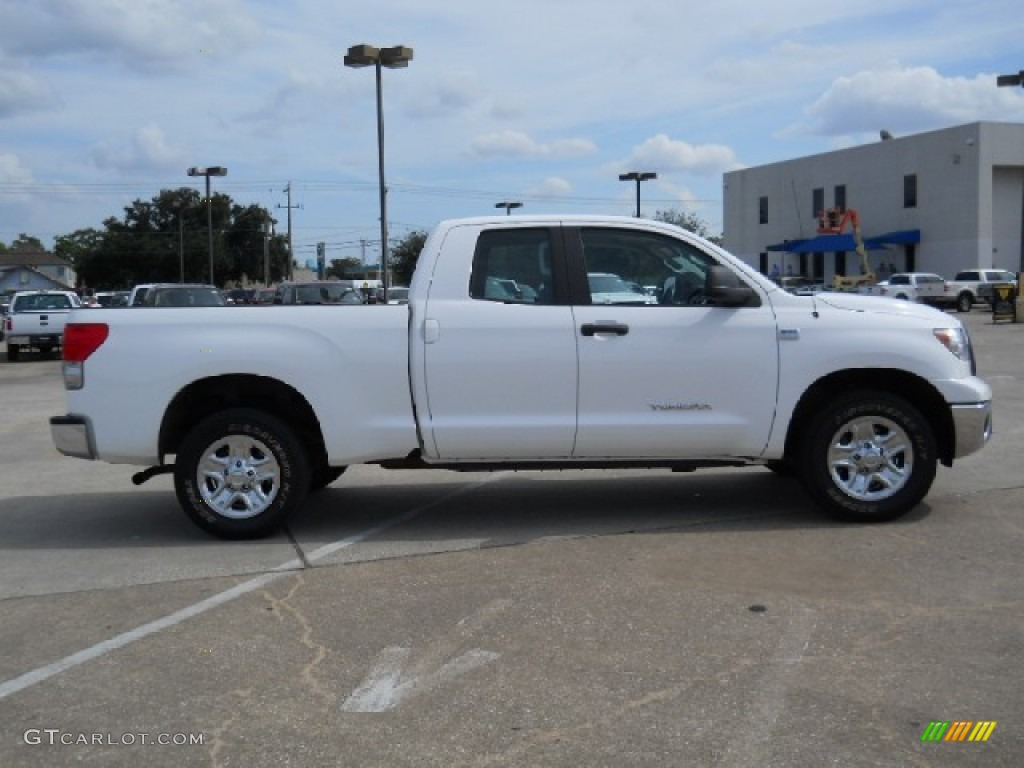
<point x="932" y="202"/>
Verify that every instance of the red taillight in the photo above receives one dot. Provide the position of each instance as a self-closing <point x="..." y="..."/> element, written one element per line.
<point x="82" y="339"/>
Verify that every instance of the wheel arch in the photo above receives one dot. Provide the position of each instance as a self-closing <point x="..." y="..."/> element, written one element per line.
<point x="205" y="397"/>
<point x="914" y="389"/>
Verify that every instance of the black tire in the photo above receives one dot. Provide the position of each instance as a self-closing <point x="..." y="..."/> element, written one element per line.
<point x="12" y="352"/>
<point x="242" y="504"/>
<point x="323" y="476"/>
<point x="888" y="445"/>
<point x="46" y="351"/>
<point x="964" y="302"/>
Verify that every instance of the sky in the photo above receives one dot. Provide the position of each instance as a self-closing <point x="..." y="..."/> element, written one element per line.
<point x="543" y="102"/>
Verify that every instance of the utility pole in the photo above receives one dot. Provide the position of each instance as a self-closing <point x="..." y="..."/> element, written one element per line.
<point x="291" y="254"/>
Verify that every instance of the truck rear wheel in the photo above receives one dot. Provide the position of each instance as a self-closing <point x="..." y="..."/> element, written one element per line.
<point x="240" y="473"/>
<point x="964" y="302"/>
<point x="868" y="457"/>
<point x="12" y="352"/>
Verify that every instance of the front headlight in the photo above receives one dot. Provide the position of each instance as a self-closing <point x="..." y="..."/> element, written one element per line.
<point x="957" y="342"/>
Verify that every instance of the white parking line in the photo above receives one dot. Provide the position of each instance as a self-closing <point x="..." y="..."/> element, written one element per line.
<point x="40" y="674"/>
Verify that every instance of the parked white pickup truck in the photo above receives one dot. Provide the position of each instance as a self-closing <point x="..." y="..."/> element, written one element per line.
<point x="971" y="286"/>
<point x="861" y="397"/>
<point x="922" y="287"/>
<point x="36" y="319"/>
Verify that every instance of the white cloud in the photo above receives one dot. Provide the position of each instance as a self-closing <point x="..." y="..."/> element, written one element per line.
<point x="147" y="151"/>
<point x="509" y="143"/>
<point x="452" y="94"/>
<point x="662" y="155"/>
<point x="153" y="35"/>
<point x="907" y="99"/>
<point x="21" y="92"/>
<point x="12" y="171"/>
<point x="552" y="186"/>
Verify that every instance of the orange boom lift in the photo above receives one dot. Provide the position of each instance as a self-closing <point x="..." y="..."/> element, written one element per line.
<point x="832" y="221"/>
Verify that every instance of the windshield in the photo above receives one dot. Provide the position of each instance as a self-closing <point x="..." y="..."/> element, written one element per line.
<point x="326" y="294"/>
<point x="40" y="302"/>
<point x="608" y="284"/>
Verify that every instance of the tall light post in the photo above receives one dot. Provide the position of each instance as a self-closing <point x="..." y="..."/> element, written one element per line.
<point x="637" y="176"/>
<point x="395" y="57"/>
<point x="508" y="205"/>
<point x="1015" y="80"/>
<point x="268" y="232"/>
<point x="213" y="170"/>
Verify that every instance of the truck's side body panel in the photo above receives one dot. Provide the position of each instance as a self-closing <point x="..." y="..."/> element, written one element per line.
<point x="348" y="362"/>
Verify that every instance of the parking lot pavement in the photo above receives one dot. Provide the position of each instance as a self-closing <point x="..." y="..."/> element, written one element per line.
<point x="578" y="618"/>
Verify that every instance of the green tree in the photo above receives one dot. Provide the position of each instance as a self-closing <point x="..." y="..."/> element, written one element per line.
<point x="404" y="256"/>
<point x="690" y="222"/>
<point x="25" y="242"/>
<point x="346" y="267"/>
<point x="160" y="239"/>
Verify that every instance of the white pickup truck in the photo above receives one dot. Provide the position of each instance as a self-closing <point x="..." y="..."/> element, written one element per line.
<point x="36" y="319"/>
<point x="922" y="287"/>
<point x="861" y="397"/>
<point x="971" y="286"/>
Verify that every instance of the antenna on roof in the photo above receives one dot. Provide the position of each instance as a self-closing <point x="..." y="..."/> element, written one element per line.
<point x="885" y="135"/>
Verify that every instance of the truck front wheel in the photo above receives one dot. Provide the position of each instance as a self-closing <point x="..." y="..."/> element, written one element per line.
<point x="868" y="457"/>
<point x="240" y="473"/>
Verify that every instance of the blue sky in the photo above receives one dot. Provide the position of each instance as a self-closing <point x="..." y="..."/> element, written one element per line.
<point x="539" y="101"/>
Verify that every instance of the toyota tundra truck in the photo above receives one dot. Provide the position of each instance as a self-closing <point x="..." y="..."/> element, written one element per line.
<point x="251" y="409"/>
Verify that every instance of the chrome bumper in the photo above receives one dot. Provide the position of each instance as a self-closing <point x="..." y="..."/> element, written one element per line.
<point x="72" y="435"/>
<point x="972" y="425"/>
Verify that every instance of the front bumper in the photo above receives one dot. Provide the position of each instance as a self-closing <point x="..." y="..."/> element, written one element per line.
<point x="972" y="425"/>
<point x="72" y="436"/>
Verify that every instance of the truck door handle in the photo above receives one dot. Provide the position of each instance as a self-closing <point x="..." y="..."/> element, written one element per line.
<point x="592" y="329"/>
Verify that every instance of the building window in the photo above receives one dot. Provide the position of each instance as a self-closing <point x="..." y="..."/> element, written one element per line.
<point x="910" y="191"/>
<point x="762" y="210"/>
<point x="818" y="270"/>
<point x="763" y="262"/>
<point x="840" y="197"/>
<point x="817" y="202"/>
<point x="910" y="257"/>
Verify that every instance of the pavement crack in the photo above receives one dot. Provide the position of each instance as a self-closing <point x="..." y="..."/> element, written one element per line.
<point x="318" y="650"/>
<point x="218" y="743"/>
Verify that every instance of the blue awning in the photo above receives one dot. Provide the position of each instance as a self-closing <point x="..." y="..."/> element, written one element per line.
<point x="845" y="242"/>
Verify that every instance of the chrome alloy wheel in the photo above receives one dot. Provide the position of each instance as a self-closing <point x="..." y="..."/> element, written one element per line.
<point x="239" y="476"/>
<point x="871" y="458"/>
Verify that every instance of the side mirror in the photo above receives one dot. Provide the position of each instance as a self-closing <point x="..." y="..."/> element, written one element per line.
<point x="725" y="289"/>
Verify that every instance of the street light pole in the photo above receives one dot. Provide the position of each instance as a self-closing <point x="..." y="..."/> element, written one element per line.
<point x="268" y="232"/>
<point x="637" y="176"/>
<point x="213" y="170"/>
<point x="393" y="58"/>
<point x="1015" y="80"/>
<point x="508" y="206"/>
<point x="181" y="246"/>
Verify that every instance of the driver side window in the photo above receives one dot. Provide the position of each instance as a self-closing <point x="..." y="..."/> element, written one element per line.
<point x="643" y="268"/>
